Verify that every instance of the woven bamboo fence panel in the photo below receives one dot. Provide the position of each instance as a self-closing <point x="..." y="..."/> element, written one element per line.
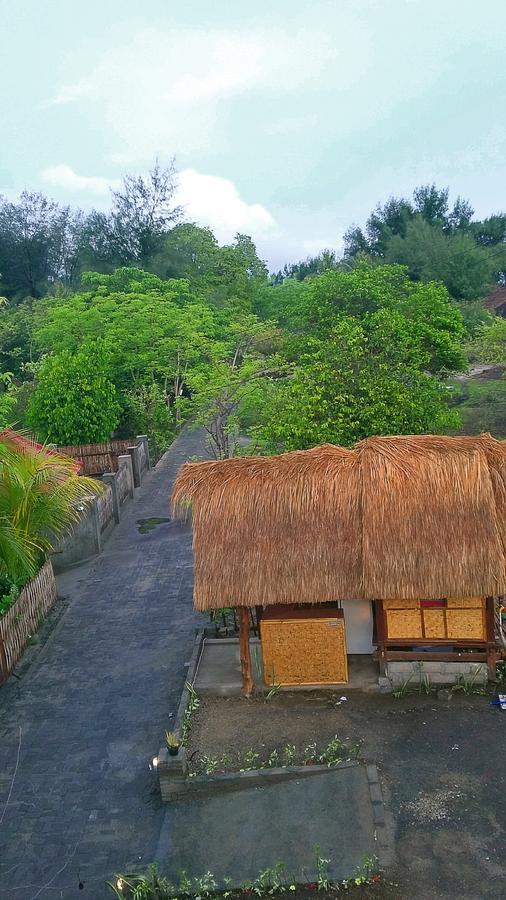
<point x="105" y="508"/>
<point x="124" y="483"/>
<point x="434" y="623"/>
<point x="463" y="619"/>
<point x="467" y="624"/>
<point x="21" y="621"/>
<point x="404" y="623"/>
<point x="98" y="458"/>
<point x="304" y="651"/>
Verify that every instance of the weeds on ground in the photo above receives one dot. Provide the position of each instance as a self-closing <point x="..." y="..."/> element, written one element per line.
<point x="424" y="686"/>
<point x="271" y="881"/>
<point x="336" y="751"/>
<point x="500" y="672"/>
<point x="191" y="707"/>
<point x="467" y="684"/>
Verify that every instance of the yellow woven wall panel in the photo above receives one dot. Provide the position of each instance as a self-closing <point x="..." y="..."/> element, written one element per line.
<point x="434" y="623"/>
<point x="304" y="651"/>
<point x="466" y="624"/>
<point x="404" y="623"/>
<point x="465" y="602"/>
<point x="401" y="604"/>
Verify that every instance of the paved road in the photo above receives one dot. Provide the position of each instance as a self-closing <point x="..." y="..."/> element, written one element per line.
<point x="92" y="707"/>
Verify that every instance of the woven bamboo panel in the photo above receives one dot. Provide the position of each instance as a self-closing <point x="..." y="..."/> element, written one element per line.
<point x="304" y="651"/>
<point x="467" y="624"/>
<point x="467" y="602"/>
<point x="404" y="623"/>
<point x="24" y="616"/>
<point x="98" y="458"/>
<point x="403" y="604"/>
<point x="434" y="623"/>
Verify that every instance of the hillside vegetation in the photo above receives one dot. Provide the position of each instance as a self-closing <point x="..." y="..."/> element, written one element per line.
<point x="133" y="321"/>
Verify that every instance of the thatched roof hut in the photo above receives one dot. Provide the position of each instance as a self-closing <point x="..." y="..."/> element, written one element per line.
<point x="397" y="517"/>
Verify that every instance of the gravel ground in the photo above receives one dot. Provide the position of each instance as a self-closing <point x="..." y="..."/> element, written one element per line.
<point x="440" y="764"/>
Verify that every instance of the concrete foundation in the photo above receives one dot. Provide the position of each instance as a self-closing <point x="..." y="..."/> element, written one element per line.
<point x="219" y="670"/>
<point x="412" y="672"/>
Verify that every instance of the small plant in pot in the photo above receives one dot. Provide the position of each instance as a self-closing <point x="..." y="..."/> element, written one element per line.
<point x="173" y="743"/>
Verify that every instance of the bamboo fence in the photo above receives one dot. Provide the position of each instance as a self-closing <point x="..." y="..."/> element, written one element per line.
<point x="23" y="618"/>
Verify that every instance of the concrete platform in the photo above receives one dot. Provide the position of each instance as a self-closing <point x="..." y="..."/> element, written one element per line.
<point x="239" y="834"/>
<point x="219" y="670"/>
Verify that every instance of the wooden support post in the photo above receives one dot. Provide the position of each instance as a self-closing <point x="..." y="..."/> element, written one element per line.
<point x="381" y="634"/>
<point x="491" y="644"/>
<point x="247" y="678"/>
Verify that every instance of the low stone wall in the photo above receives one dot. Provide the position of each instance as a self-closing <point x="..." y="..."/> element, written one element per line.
<point x="437" y="673"/>
<point x="176" y="783"/>
<point x="98" y="516"/>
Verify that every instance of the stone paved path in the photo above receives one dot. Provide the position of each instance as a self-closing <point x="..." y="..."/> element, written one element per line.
<point x="92" y="707"/>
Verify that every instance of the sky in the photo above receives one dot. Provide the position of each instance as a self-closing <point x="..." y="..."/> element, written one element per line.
<point x="289" y="120"/>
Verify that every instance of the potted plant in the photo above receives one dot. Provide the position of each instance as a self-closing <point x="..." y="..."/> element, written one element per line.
<point x="173" y="743"/>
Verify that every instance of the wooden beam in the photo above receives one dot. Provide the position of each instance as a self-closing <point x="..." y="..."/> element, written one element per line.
<point x="401" y="655"/>
<point x="247" y="677"/>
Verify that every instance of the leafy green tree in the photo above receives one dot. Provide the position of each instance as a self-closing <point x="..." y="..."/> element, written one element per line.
<point x="39" y="244"/>
<point x="474" y="314"/>
<point x="148" y="411"/>
<point x="434" y="241"/>
<point x="74" y="401"/>
<point x="489" y="344"/>
<point x="229" y="393"/>
<point x="151" y="328"/>
<point x="368" y="356"/>
<point x="220" y="275"/>
<point x="430" y="254"/>
<point x="143" y="211"/>
<point x="16" y="345"/>
<point x="313" y="265"/>
<point x="7" y="398"/>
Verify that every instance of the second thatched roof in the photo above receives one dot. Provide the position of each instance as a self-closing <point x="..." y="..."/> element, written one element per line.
<point x="397" y="517"/>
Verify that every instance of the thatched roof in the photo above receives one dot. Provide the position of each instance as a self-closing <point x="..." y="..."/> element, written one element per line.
<point x="396" y="517"/>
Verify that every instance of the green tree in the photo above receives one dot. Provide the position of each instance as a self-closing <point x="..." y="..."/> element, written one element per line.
<point x="229" y="392"/>
<point x="431" y="254"/>
<point x="74" y="401"/>
<point x="489" y="344"/>
<point x="434" y="241"/>
<point x="7" y="398"/>
<point x="368" y="357"/>
<point x="148" y="411"/>
<point x="143" y="211"/>
<point x="220" y="275"/>
<point x="39" y="245"/>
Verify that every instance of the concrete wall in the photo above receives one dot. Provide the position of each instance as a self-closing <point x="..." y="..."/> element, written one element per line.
<point x="437" y="673"/>
<point x="98" y="516"/>
<point x="82" y="542"/>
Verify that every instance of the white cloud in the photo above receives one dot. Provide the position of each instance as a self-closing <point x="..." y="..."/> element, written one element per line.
<point x="64" y="176"/>
<point x="162" y="91"/>
<point x="214" y="201"/>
